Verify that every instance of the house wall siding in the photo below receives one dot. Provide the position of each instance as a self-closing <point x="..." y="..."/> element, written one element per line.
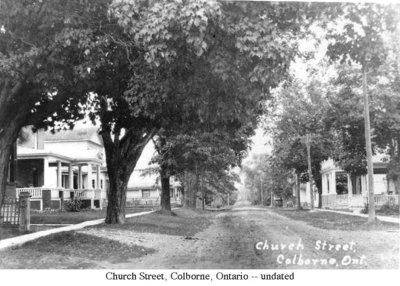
<point x="66" y="148"/>
<point x="137" y="194"/>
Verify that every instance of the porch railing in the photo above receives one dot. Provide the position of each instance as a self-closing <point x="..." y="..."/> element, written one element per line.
<point x="358" y="200"/>
<point x="36" y="193"/>
<point x="94" y="194"/>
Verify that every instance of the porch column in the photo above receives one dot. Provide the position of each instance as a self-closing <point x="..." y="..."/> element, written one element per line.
<point x="333" y="183"/>
<point x="349" y="185"/>
<point x="80" y="177"/>
<point x="89" y="176"/>
<point x="364" y="185"/>
<point x="324" y="189"/>
<point x="46" y="173"/>
<point x="98" y="177"/>
<point x="70" y="176"/>
<point x="59" y="175"/>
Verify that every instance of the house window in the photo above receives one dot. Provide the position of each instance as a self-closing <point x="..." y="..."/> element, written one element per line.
<point x="93" y="184"/>
<point x="35" y="177"/>
<point x="101" y="184"/>
<point x="145" y="194"/>
<point x="64" y="181"/>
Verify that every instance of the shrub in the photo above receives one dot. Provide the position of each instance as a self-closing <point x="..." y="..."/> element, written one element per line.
<point x="365" y="209"/>
<point x="73" y="205"/>
<point x="50" y="210"/>
<point x="389" y="208"/>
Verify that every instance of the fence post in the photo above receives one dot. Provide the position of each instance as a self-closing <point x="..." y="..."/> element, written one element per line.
<point x="24" y="211"/>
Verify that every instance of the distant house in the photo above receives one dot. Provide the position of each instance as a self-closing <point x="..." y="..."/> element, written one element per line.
<point x="144" y="188"/>
<point x="305" y="196"/>
<point x="61" y="166"/>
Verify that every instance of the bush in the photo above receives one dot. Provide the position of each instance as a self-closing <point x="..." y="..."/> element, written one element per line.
<point x="389" y="208"/>
<point x="365" y="209"/>
<point x="73" y="205"/>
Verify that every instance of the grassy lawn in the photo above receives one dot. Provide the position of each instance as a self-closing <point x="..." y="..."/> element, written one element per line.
<point x="74" y="250"/>
<point x="60" y="218"/>
<point x="184" y="223"/>
<point x="69" y="250"/>
<point x="329" y="220"/>
<point x="9" y="231"/>
<point x="74" y="217"/>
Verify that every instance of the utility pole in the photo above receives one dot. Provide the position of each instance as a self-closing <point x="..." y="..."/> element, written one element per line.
<point x="261" y="192"/>
<point x="368" y="147"/>
<point x="272" y="199"/>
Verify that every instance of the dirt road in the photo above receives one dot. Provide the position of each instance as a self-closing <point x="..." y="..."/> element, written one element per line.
<point x="253" y="238"/>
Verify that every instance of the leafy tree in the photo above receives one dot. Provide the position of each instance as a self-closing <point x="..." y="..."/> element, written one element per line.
<point x="239" y="66"/>
<point x="301" y="139"/>
<point x="218" y="45"/>
<point x="345" y="118"/>
<point x="42" y="44"/>
<point x="361" y="41"/>
<point x="256" y="178"/>
<point x="386" y="107"/>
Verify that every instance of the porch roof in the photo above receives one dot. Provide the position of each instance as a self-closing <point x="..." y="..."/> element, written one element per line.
<point x="80" y="158"/>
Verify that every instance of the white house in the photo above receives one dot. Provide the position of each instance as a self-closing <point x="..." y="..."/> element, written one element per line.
<point x="71" y="163"/>
<point x="145" y="189"/>
<point x="61" y="166"/>
<point x="340" y="190"/>
<point x="305" y="196"/>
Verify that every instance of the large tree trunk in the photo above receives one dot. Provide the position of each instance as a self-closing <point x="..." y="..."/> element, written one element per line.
<point x="190" y="194"/>
<point x="397" y="187"/>
<point x="318" y="183"/>
<point x="117" y="193"/>
<point x="358" y="184"/>
<point x="310" y="175"/>
<point x="368" y="147"/>
<point x="121" y="157"/>
<point x="298" y="191"/>
<point x="5" y="152"/>
<point x="165" y="190"/>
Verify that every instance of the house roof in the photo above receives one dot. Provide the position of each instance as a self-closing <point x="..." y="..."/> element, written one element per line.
<point x="78" y="134"/>
<point x="89" y="156"/>
<point x="139" y="181"/>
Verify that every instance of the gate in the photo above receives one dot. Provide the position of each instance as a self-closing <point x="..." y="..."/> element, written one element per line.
<point x="9" y="213"/>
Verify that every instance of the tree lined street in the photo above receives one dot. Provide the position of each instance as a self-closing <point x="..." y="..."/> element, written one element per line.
<point x="197" y="79"/>
<point x="246" y="237"/>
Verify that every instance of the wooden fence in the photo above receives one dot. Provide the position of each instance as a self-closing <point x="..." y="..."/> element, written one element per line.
<point x="9" y="213"/>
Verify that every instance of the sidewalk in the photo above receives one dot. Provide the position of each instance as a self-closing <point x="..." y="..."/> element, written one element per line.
<point x="381" y="218"/>
<point x="19" y="240"/>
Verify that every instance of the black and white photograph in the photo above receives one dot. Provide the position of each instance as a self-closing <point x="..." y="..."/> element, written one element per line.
<point x="200" y="141"/>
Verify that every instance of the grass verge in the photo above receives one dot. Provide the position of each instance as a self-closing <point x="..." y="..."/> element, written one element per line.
<point x="8" y="231"/>
<point x="183" y="222"/>
<point x="335" y="221"/>
<point x="75" y="250"/>
<point x="69" y="250"/>
<point x="64" y="217"/>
